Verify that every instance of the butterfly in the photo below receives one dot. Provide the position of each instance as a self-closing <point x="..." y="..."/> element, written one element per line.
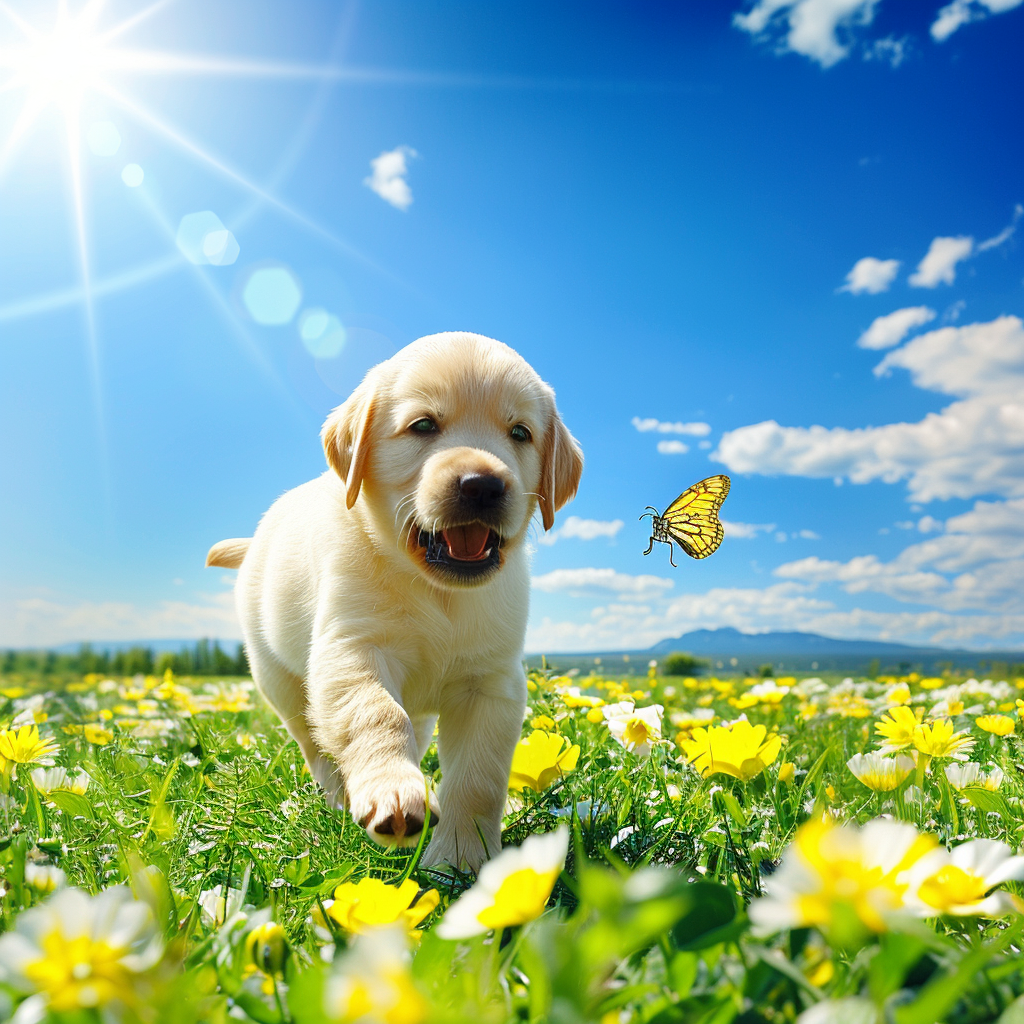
<point x="692" y="519"/>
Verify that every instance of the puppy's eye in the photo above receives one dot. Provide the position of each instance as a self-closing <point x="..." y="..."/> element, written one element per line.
<point x="520" y="432"/>
<point x="424" y="426"/>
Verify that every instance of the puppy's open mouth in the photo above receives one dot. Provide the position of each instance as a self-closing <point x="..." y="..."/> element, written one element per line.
<point x="464" y="552"/>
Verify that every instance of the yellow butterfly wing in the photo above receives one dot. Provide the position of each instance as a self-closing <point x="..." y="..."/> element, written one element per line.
<point x="692" y="519"/>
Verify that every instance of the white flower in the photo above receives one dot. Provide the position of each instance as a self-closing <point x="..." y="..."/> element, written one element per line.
<point x="44" y="877"/>
<point x="942" y="882"/>
<point x="635" y="728"/>
<point x="77" y="951"/>
<point x="851" y="1010"/>
<point x="960" y="776"/>
<point x="830" y="870"/>
<point x="372" y="981"/>
<point x="878" y="772"/>
<point x="512" y="889"/>
<point x="46" y="780"/>
<point x="217" y="906"/>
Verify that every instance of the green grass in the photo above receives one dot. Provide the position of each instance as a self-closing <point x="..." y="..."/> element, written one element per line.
<point x="196" y="785"/>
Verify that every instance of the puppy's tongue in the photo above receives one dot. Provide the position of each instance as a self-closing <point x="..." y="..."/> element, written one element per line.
<point x="467" y="543"/>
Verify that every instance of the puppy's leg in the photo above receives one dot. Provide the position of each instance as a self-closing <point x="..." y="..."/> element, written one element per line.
<point x="423" y="729"/>
<point x="480" y="724"/>
<point x="355" y="719"/>
<point x="286" y="694"/>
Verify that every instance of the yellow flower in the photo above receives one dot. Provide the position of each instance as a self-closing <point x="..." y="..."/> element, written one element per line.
<point x="97" y="734"/>
<point x="267" y="948"/>
<point x="596" y="715"/>
<point x="24" y="746"/>
<point x="512" y="888"/>
<point x="1001" y="725"/>
<point x="898" y="695"/>
<point x="740" y="750"/>
<point x="542" y="722"/>
<point x="1020" y="706"/>
<point x="878" y="772"/>
<point x="540" y="759"/>
<point x="933" y="683"/>
<point x="840" y="875"/>
<point x="787" y="772"/>
<point x="897" y="728"/>
<point x="571" y="697"/>
<point x="939" y="740"/>
<point x="77" y="951"/>
<point x="370" y="903"/>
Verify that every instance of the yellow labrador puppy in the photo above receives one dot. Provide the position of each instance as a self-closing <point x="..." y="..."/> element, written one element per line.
<point x="391" y="592"/>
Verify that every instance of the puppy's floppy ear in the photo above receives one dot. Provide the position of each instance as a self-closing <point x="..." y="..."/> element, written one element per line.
<point x="561" y="469"/>
<point x="346" y="439"/>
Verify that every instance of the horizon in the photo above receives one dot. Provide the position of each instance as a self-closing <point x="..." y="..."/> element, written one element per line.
<point x="730" y="243"/>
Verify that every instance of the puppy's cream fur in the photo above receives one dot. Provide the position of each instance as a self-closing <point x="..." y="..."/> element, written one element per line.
<point x="361" y="644"/>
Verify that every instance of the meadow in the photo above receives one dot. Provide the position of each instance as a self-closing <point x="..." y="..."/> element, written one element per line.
<point x="677" y="849"/>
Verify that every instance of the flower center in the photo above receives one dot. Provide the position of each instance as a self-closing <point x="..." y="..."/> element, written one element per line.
<point x="952" y="886"/>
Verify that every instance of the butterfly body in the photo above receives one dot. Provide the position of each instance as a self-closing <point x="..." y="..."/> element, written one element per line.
<point x="692" y="519"/>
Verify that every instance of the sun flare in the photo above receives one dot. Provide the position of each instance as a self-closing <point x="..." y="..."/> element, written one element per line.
<point x="62" y="65"/>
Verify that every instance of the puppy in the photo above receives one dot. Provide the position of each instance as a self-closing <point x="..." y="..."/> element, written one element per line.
<point x="391" y="593"/>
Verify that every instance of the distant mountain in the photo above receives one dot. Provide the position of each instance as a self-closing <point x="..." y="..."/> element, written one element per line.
<point x="727" y="642"/>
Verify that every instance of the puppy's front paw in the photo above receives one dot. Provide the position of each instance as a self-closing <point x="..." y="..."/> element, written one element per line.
<point x="393" y="805"/>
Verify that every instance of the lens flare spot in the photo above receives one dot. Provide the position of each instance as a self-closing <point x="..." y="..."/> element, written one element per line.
<point x="133" y="175"/>
<point x="271" y="295"/>
<point x="322" y="333"/>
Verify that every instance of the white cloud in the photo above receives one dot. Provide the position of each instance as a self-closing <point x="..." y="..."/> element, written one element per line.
<point x="939" y="263"/>
<point x="891" y="329"/>
<point x="808" y="535"/>
<point x="596" y="581"/>
<point x="976" y="359"/>
<point x="746" y="531"/>
<point x="782" y="606"/>
<point x="960" y="12"/>
<point x="673" y="447"/>
<point x="813" y="26"/>
<point x="582" y="529"/>
<point x="889" y="51"/>
<point x="970" y="448"/>
<point x="1007" y="233"/>
<point x="871" y="276"/>
<point x="45" y="621"/>
<point x="660" y="426"/>
<point x="977" y="562"/>
<point x="388" y="177"/>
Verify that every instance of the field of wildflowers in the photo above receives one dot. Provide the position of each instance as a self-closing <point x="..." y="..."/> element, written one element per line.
<point x="678" y="849"/>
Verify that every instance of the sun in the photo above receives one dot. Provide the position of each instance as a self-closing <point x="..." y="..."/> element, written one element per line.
<point x="62" y="65"/>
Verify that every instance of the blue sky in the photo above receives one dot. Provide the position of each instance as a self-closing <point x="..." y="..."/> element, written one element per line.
<point x="780" y="237"/>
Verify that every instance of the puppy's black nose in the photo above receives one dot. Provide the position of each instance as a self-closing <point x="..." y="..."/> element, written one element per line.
<point x="482" y="489"/>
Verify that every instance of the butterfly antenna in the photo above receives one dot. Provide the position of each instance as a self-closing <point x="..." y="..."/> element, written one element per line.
<point x="653" y="512"/>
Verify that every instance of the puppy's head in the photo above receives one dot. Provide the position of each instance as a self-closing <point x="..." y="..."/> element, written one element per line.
<point x="453" y="443"/>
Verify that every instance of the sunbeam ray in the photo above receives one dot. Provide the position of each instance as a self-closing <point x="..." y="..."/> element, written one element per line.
<point x="248" y="344"/>
<point x="49" y="302"/>
<point x="29" y="112"/>
<point x="147" y="117"/>
<point x="71" y="120"/>
<point x="27" y="30"/>
<point x="129" y="23"/>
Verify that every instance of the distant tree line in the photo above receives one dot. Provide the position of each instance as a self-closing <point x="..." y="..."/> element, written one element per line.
<point x="206" y="658"/>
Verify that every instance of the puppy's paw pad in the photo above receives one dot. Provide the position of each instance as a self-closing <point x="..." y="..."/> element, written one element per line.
<point x="394" y="815"/>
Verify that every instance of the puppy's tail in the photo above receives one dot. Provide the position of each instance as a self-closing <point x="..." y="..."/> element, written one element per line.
<point x="229" y="554"/>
